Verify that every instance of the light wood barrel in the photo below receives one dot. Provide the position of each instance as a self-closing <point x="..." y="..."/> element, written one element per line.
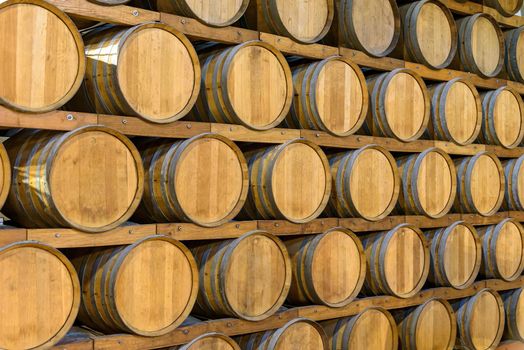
<point x="299" y="333"/>
<point x="506" y="8"/>
<point x="147" y="288"/>
<point x="372" y="26"/>
<point x="209" y="341"/>
<point x="42" y="56"/>
<point x="514" y="188"/>
<point x="429" y="326"/>
<point x="480" y="185"/>
<point x="456" y="254"/>
<point x="514" y="44"/>
<point x="328" y="269"/>
<point x="374" y="328"/>
<point x="484" y="59"/>
<point x="514" y="309"/>
<point x="290" y="181"/>
<point x="429" y="183"/>
<point x="203" y="180"/>
<point x="502" y="250"/>
<point x="216" y="13"/>
<point x="330" y="95"/>
<point x="249" y="84"/>
<point x="303" y="21"/>
<point x="429" y="33"/>
<point x="400" y="106"/>
<point x="503" y="118"/>
<point x="366" y="184"/>
<point x="456" y="112"/>
<point x="90" y="178"/>
<point x="40" y="296"/>
<point x="160" y="87"/>
<point x="398" y="262"/>
<point x="480" y="320"/>
<point x="248" y="277"/>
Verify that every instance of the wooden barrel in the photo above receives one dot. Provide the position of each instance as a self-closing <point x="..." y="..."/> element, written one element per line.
<point x="514" y="44"/>
<point x="366" y="184"/>
<point x="429" y="33"/>
<point x="299" y="333"/>
<point x="209" y="341"/>
<point x="429" y="326"/>
<point x="305" y="22"/>
<point x="290" y="181"/>
<point x="456" y="254"/>
<point x="514" y="309"/>
<point x="481" y="183"/>
<point x="480" y="320"/>
<point x="514" y="187"/>
<point x="160" y="87"/>
<point x="147" y="288"/>
<point x="40" y="296"/>
<point x="374" y="328"/>
<point x="248" y="84"/>
<point x="248" y="277"/>
<point x="328" y="269"/>
<point x="203" y="180"/>
<point x="456" y="112"/>
<point x="400" y="106"/>
<point x="503" y="118"/>
<point x="330" y="95"/>
<point x="506" y="8"/>
<point x="372" y="26"/>
<point x="502" y="250"/>
<point x="90" y="178"/>
<point x="216" y="13"/>
<point x="511" y="345"/>
<point x="429" y="183"/>
<point x="487" y="59"/>
<point x="397" y="262"/>
<point x="42" y="56"/>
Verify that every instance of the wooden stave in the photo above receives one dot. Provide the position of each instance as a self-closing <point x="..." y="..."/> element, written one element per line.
<point x="489" y="236"/>
<point x="510" y="58"/>
<point x="341" y="166"/>
<point x="511" y="300"/>
<point x="409" y="167"/>
<point x="301" y="251"/>
<point x="210" y="300"/>
<point x="437" y="239"/>
<point x="512" y="200"/>
<point x="497" y="6"/>
<point x="304" y="113"/>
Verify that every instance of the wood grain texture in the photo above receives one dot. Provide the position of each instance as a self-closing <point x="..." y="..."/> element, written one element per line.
<point x="514" y="310"/>
<point x="216" y="13"/>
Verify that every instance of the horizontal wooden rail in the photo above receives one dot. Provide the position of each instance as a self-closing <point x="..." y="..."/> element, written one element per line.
<point x="233" y="327"/>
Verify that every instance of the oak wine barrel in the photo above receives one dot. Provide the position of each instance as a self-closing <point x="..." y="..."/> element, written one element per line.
<point x="366" y="183"/>
<point x="374" y="328"/>
<point x="400" y="106"/>
<point x="429" y="33"/>
<point x="514" y="309"/>
<point x="429" y="183"/>
<point x="372" y="26"/>
<point x="330" y="95"/>
<point x="456" y="254"/>
<point x="506" y="8"/>
<point x="42" y="55"/>
<point x="456" y="112"/>
<point x="209" y="341"/>
<point x="481" y="45"/>
<point x="429" y="326"/>
<point x="150" y="71"/>
<point x="397" y="262"/>
<point x="480" y="320"/>
<point x="480" y="185"/>
<point x="328" y="269"/>
<point x="248" y="84"/>
<point x="203" y="180"/>
<point x="290" y="181"/>
<point x="90" y="178"/>
<point x="502" y="250"/>
<point x="300" y="333"/>
<point x="215" y="13"/>
<point x="248" y="277"/>
<point x="514" y="188"/>
<point x="40" y="295"/>
<point x="514" y="44"/>
<point x="147" y="288"/>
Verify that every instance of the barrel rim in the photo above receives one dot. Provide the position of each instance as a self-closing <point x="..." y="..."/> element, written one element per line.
<point x="497" y="228"/>
<point x="513" y="167"/>
<point x="420" y="309"/>
<point x="82" y="61"/>
<point x="502" y="10"/>
<point x="275" y="337"/>
<point x="512" y="299"/>
<point x="6" y="174"/>
<point x="512" y="38"/>
<point x="220" y="335"/>
<point x="351" y="321"/>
